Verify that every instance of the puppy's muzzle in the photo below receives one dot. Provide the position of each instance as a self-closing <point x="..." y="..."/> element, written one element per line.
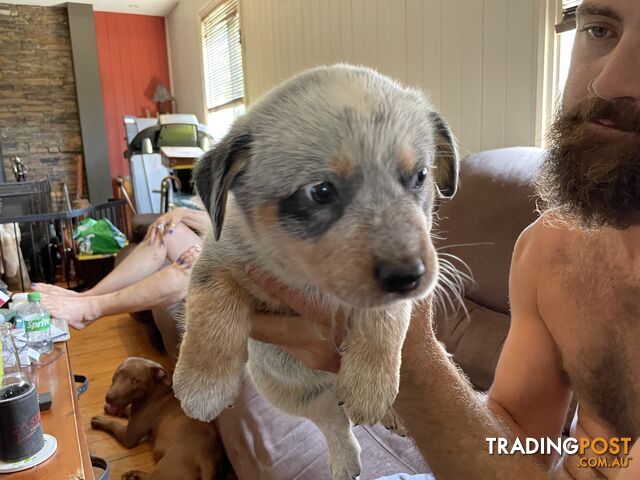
<point x="403" y="277"/>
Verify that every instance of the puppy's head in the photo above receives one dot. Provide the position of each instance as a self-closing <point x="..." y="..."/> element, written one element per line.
<point x="336" y="173"/>
<point x="133" y="380"/>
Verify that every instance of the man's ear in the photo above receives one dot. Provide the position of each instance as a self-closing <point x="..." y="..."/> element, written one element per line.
<point x="161" y="375"/>
<point x="447" y="163"/>
<point x="215" y="171"/>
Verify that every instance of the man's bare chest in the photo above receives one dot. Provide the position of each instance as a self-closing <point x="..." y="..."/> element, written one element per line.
<point x="592" y="308"/>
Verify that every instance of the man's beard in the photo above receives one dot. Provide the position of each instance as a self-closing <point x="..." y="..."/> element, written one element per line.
<point x="593" y="179"/>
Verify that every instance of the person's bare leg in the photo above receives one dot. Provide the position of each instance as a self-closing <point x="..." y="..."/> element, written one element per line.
<point x="143" y="261"/>
<point x="164" y="287"/>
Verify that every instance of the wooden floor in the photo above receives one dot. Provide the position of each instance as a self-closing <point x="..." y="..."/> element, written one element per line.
<point x="96" y="352"/>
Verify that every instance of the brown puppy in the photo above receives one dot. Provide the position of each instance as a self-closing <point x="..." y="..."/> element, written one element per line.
<point x="183" y="448"/>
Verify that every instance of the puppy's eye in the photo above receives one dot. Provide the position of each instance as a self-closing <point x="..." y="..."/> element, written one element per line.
<point x="417" y="181"/>
<point x="321" y="193"/>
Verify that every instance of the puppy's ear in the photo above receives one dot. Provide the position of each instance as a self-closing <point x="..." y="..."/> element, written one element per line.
<point x="161" y="375"/>
<point x="447" y="163"/>
<point x="216" y="170"/>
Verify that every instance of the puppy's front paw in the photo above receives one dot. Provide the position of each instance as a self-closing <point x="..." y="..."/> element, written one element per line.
<point x="366" y="396"/>
<point x="100" y="422"/>
<point x="393" y="422"/>
<point x="203" y="397"/>
<point x="344" y="456"/>
<point x="347" y="467"/>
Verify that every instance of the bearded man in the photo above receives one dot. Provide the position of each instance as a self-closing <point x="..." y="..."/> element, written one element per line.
<point x="574" y="291"/>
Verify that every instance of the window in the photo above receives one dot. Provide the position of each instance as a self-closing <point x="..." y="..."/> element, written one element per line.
<point x="564" y="57"/>
<point x="224" y="80"/>
<point x="566" y="33"/>
<point x="558" y="33"/>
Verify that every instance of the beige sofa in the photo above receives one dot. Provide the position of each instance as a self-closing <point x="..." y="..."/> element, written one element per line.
<point x="480" y="225"/>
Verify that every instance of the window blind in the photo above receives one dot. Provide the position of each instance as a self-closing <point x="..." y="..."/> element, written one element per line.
<point x="568" y="21"/>
<point x="222" y="53"/>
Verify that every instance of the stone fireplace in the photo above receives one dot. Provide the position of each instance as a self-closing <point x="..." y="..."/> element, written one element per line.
<point x="39" y="119"/>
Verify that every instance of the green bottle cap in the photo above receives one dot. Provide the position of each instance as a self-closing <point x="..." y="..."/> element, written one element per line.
<point x="34" y="296"/>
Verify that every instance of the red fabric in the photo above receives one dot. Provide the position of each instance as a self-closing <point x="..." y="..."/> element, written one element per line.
<point x="132" y="53"/>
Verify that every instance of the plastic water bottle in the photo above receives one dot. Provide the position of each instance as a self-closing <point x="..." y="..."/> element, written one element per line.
<point x="11" y="372"/>
<point x="18" y="302"/>
<point x="37" y="324"/>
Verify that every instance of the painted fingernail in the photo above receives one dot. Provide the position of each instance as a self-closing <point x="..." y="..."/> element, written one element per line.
<point x="170" y="231"/>
<point x="180" y="261"/>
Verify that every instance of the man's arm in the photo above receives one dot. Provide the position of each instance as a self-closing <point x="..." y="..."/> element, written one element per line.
<point x="530" y="388"/>
<point x="450" y="422"/>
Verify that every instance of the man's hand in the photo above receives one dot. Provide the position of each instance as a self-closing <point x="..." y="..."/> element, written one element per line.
<point x="313" y="336"/>
<point x="632" y="472"/>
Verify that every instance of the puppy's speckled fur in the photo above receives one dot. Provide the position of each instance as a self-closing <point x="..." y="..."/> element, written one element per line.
<point x="369" y="137"/>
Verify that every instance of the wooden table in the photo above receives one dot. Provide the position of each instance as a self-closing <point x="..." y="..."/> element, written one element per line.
<point x="62" y="421"/>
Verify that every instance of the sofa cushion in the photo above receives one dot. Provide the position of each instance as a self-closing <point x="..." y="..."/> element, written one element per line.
<point x="475" y="338"/>
<point x="263" y="442"/>
<point x="494" y="204"/>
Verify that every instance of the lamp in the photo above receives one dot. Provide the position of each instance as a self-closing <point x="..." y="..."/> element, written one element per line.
<point x="161" y="96"/>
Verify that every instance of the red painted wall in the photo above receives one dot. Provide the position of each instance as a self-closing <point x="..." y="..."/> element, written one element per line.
<point x="132" y="53"/>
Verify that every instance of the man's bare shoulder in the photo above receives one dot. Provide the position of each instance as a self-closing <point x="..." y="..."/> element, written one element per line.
<point x="542" y="241"/>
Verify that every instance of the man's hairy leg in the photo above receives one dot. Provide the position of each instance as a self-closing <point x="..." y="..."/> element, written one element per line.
<point x="447" y="419"/>
<point x="146" y="259"/>
<point x="165" y="287"/>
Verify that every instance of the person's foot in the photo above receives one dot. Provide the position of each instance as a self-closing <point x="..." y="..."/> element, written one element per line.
<point x="78" y="312"/>
<point x="53" y="290"/>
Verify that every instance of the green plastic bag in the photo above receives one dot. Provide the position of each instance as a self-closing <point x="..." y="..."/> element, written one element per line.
<point x="98" y="237"/>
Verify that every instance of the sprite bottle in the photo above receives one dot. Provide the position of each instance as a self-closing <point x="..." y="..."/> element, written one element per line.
<point x="37" y="324"/>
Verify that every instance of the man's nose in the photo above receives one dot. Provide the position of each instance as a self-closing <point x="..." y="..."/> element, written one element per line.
<point x="621" y="71"/>
<point x="399" y="277"/>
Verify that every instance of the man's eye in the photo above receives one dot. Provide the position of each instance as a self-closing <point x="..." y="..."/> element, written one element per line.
<point x="597" y="32"/>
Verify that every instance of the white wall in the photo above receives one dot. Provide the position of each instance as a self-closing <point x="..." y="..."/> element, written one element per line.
<point x="477" y="58"/>
<point x="185" y="56"/>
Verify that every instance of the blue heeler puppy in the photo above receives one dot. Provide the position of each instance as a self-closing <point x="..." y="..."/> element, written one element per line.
<point x="328" y="183"/>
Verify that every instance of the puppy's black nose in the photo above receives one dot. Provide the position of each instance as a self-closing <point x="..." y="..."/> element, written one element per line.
<point x="399" y="277"/>
<point x="109" y="398"/>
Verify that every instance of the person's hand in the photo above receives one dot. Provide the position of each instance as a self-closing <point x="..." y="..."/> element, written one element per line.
<point x="164" y="224"/>
<point x="632" y="472"/>
<point x="313" y="336"/>
<point x="188" y="257"/>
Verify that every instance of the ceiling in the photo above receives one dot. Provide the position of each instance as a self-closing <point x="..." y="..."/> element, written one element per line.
<point x="138" y="7"/>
